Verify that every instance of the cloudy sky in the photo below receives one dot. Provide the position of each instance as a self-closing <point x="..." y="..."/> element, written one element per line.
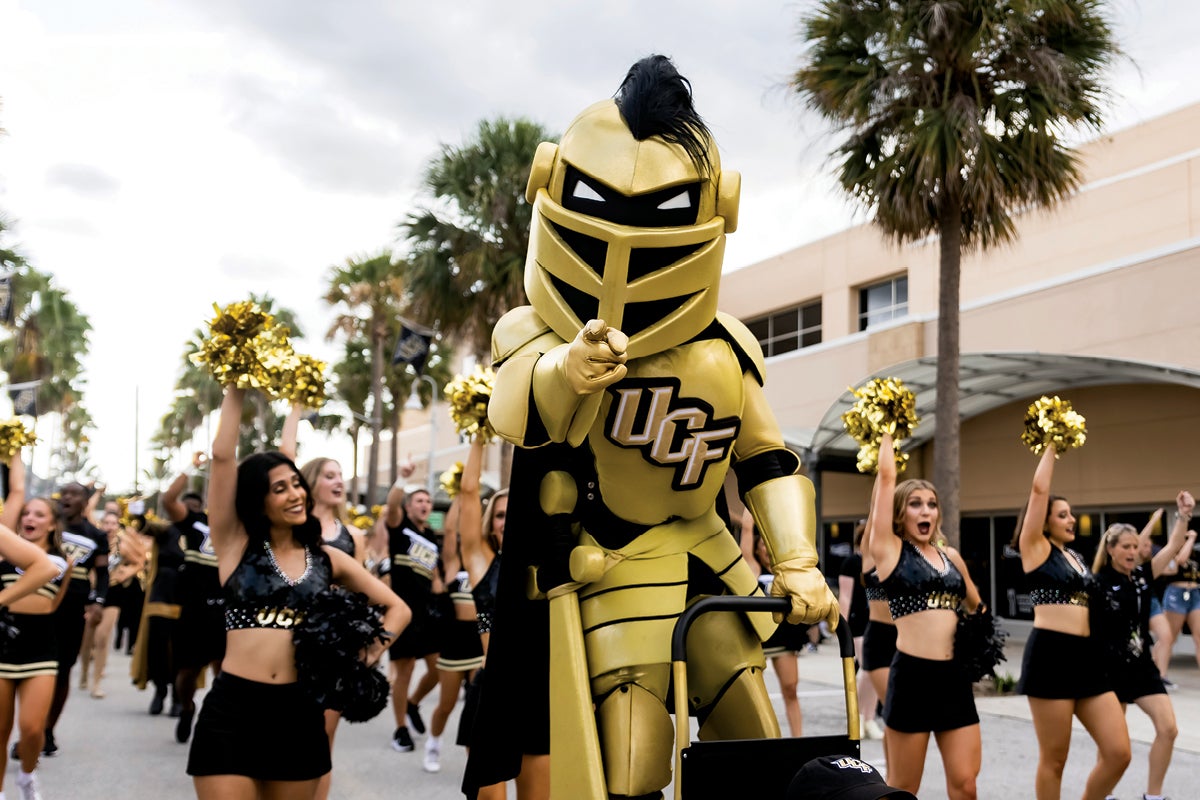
<point x="162" y="155"/>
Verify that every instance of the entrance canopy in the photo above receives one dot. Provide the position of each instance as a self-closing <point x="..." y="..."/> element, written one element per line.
<point x="986" y="381"/>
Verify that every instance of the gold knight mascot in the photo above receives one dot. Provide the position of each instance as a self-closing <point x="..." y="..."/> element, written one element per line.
<point x="629" y="397"/>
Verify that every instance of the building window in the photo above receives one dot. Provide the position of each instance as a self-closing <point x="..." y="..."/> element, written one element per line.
<point x="883" y="301"/>
<point x="788" y="330"/>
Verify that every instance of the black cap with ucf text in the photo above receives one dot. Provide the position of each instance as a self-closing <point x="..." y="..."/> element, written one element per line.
<point x="841" y="778"/>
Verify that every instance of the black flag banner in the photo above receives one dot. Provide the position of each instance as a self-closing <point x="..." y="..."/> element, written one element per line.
<point x="6" y="299"/>
<point x="412" y="347"/>
<point x="24" y="398"/>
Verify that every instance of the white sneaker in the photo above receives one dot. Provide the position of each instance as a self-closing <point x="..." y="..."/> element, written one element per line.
<point x="28" y="786"/>
<point x="872" y="729"/>
<point x="432" y="761"/>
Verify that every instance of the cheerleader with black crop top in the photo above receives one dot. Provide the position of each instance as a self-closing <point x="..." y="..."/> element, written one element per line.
<point x="257" y="732"/>
<point x="1121" y="621"/>
<point x="324" y="476"/>
<point x="1062" y="671"/>
<point x="481" y="540"/>
<point x="928" y="692"/>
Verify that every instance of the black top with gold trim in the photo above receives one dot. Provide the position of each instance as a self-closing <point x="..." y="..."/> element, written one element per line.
<point x="259" y="595"/>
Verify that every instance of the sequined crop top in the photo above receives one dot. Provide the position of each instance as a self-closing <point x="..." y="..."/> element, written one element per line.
<point x="10" y="573"/>
<point x="484" y="593"/>
<point x="1059" y="582"/>
<point x="343" y="541"/>
<point x="916" y="585"/>
<point x="872" y="587"/>
<point x="259" y="595"/>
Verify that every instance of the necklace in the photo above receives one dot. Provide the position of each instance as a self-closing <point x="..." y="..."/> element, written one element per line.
<point x="281" y="573"/>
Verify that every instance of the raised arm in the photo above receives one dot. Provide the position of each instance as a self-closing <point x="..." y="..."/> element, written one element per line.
<point x="868" y="561"/>
<point x="1185" y="504"/>
<point x="35" y="565"/>
<point x="175" y="508"/>
<point x="228" y="536"/>
<point x="470" y="512"/>
<point x="1034" y="547"/>
<point x="885" y="545"/>
<point x="14" y="501"/>
<point x="393" y="508"/>
<point x="291" y="427"/>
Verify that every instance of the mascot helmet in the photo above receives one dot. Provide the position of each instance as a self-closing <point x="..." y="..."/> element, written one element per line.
<point x="630" y="212"/>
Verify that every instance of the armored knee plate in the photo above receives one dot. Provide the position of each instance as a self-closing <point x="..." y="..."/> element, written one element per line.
<point x="636" y="738"/>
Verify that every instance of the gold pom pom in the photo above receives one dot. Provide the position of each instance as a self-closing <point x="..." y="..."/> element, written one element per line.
<point x="300" y="379"/>
<point x="452" y="479"/>
<point x="363" y="522"/>
<point x="13" y="436"/>
<point x="468" y="397"/>
<point x="1051" y="422"/>
<point x="244" y="346"/>
<point x="884" y="405"/>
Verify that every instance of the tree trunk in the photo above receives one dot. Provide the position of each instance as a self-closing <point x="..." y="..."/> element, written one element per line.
<point x="394" y="461"/>
<point x="946" y="444"/>
<point x="377" y="345"/>
<point x="354" y="476"/>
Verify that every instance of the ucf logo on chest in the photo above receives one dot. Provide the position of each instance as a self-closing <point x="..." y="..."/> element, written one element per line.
<point x="649" y="415"/>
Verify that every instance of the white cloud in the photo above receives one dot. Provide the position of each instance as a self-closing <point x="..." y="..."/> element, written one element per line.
<point x="163" y="156"/>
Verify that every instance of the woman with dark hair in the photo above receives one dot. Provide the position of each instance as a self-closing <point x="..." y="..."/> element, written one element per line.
<point x="1059" y="585"/>
<point x="879" y="636"/>
<point x="324" y="476"/>
<point x="1123" y="627"/>
<point x="926" y="585"/>
<point x="31" y="576"/>
<point x="855" y="607"/>
<point x="258" y="734"/>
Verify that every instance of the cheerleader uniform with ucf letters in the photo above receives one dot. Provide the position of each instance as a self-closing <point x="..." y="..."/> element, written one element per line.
<point x="270" y="732"/>
<point x="916" y="585"/>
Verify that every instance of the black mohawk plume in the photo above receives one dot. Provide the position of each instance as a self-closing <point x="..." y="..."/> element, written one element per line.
<point x="655" y="100"/>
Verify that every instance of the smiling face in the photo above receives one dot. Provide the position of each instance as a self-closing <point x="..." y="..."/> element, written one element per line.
<point x="329" y="488"/>
<point x="1123" y="553"/>
<point x="1060" y="522"/>
<point x="38" y="522"/>
<point x="284" y="505"/>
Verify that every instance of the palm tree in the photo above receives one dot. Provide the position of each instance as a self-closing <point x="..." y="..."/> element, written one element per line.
<point x="366" y="290"/>
<point x="352" y="385"/>
<point x="954" y="115"/>
<point x="468" y="244"/>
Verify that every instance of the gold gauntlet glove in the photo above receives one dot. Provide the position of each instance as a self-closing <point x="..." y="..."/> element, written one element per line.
<point x="784" y="512"/>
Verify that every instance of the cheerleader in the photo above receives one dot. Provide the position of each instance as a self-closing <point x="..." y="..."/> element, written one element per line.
<point x="925" y="584"/>
<point x="788" y="639"/>
<point x="258" y="734"/>
<point x="855" y="607"/>
<point x="31" y="576"/>
<point x="1123" y="627"/>
<point x="127" y="557"/>
<point x="324" y="475"/>
<point x="1061" y="671"/>
<point x="879" y="636"/>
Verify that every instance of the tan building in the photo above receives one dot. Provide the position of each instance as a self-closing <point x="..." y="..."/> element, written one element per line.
<point x="1095" y="302"/>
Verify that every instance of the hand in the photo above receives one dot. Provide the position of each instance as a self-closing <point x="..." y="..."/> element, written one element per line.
<point x="596" y="358"/>
<point x="406" y="469"/>
<point x="812" y="600"/>
<point x="199" y="459"/>
<point x="1185" y="503"/>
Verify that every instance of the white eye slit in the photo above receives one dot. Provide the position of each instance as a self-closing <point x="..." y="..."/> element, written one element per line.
<point x="680" y="200"/>
<point x="585" y="192"/>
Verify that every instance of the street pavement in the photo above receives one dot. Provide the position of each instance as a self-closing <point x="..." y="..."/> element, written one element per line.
<point x="111" y="748"/>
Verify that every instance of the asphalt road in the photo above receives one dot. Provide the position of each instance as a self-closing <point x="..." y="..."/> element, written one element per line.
<point x="111" y="748"/>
